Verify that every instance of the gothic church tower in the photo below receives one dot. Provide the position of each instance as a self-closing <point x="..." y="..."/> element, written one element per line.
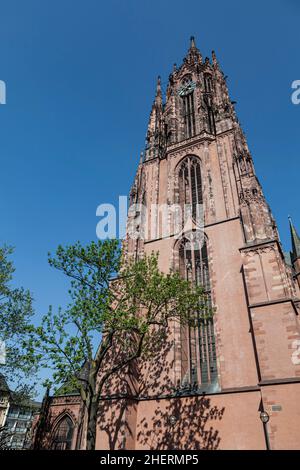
<point x="231" y="381"/>
<point x="196" y="154"/>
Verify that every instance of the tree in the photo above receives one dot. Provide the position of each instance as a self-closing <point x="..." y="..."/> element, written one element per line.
<point x="130" y="311"/>
<point x="16" y="312"/>
<point x="5" y="436"/>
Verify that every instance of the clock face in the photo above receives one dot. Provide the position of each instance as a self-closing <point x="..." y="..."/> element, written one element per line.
<point x="186" y="88"/>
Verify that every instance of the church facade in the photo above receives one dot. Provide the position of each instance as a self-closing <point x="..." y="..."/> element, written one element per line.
<point x="232" y="381"/>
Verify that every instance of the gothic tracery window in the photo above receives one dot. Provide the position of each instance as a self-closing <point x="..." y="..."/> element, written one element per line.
<point x="197" y="341"/>
<point x="189" y="115"/>
<point x="188" y="108"/>
<point x="208" y="102"/>
<point x="198" y="349"/>
<point x="190" y="185"/>
<point x="207" y="83"/>
<point x="63" y="434"/>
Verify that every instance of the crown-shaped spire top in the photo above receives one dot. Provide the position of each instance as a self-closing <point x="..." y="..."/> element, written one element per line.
<point x="193" y="55"/>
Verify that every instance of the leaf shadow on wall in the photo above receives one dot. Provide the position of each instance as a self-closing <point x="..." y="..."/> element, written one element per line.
<point x="194" y="419"/>
<point x="192" y="428"/>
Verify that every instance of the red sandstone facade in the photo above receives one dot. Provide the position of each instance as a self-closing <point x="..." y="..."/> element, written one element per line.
<point x="208" y="387"/>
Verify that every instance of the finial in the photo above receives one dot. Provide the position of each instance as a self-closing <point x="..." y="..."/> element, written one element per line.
<point x="193" y="44"/>
<point x="174" y="67"/>
<point x="214" y="58"/>
<point x="158" y="95"/>
<point x="158" y="85"/>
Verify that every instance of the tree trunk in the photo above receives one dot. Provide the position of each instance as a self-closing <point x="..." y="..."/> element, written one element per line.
<point x="92" y="408"/>
<point x="92" y="424"/>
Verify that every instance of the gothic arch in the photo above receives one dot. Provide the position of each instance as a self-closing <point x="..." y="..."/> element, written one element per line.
<point x="190" y="161"/>
<point x="65" y="412"/>
<point x="195" y="357"/>
<point x="188" y="155"/>
<point x="62" y="432"/>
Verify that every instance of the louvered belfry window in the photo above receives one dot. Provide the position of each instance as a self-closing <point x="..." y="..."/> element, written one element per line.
<point x="189" y="115"/>
<point x="198" y="351"/>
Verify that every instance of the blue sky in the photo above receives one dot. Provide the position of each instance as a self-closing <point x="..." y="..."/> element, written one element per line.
<point x="80" y="80"/>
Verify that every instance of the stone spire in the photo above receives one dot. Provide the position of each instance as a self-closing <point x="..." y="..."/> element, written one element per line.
<point x="156" y="107"/>
<point x="153" y="137"/>
<point x="158" y="96"/>
<point x="193" y="44"/>
<point x="214" y="59"/>
<point x="193" y="56"/>
<point x="295" y="242"/>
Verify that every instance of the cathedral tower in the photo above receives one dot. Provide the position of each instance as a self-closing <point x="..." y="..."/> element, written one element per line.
<point x="231" y="381"/>
<point x="196" y="155"/>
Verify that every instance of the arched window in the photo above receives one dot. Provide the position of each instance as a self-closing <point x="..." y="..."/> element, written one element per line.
<point x="197" y="341"/>
<point x="63" y="434"/>
<point x="208" y="102"/>
<point x="190" y="185"/>
<point x="187" y="94"/>
<point x="198" y="349"/>
<point x="207" y="83"/>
